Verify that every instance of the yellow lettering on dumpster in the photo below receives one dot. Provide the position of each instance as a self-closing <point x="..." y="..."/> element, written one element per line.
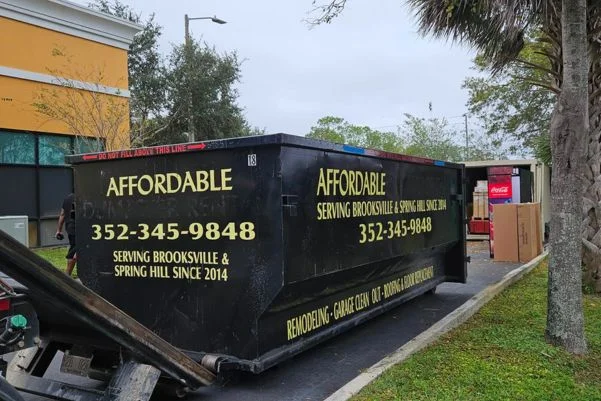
<point x="333" y="182"/>
<point x="344" y="308"/>
<point x="302" y="324"/>
<point x="171" y="183"/>
<point x="130" y="271"/>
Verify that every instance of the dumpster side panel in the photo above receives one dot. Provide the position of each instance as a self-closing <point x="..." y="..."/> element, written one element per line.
<point x="187" y="244"/>
<point x="258" y="248"/>
<point x="357" y="210"/>
<point x="361" y="234"/>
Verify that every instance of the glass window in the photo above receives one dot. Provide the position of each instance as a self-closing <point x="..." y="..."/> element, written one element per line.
<point x="17" y="148"/>
<point x="55" y="184"/>
<point x="19" y="192"/>
<point x="88" y="145"/>
<point x="53" y="149"/>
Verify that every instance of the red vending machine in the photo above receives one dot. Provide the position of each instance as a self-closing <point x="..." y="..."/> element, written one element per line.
<point x="499" y="191"/>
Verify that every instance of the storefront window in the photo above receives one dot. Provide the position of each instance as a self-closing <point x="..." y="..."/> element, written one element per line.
<point x="88" y="145"/>
<point x="53" y="149"/>
<point x="17" y="148"/>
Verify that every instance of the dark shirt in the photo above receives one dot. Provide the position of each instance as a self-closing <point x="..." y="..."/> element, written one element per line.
<point x="69" y="209"/>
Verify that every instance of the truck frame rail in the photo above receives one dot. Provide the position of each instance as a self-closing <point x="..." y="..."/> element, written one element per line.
<point x="147" y="354"/>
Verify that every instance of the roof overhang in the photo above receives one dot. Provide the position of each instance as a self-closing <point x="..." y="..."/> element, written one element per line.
<point x="492" y="163"/>
<point x="72" y="19"/>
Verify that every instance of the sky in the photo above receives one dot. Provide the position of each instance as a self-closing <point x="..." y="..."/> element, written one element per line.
<point x="369" y="66"/>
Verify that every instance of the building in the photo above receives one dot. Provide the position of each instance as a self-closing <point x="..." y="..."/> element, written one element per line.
<point x="63" y="89"/>
<point x="535" y="185"/>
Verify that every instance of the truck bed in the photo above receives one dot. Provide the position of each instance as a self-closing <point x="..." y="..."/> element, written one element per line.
<point x="68" y="309"/>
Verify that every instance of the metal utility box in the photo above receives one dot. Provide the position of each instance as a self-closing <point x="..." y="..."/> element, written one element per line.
<point x="17" y="227"/>
<point x="253" y="249"/>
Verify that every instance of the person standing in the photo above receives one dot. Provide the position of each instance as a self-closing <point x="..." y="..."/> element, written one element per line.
<point x="67" y="218"/>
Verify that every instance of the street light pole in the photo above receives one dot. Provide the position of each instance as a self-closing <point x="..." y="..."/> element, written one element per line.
<point x="467" y="148"/>
<point x="191" y="134"/>
<point x="188" y="61"/>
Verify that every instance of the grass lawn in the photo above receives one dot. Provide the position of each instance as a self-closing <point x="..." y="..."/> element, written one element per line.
<point x="56" y="256"/>
<point x="500" y="354"/>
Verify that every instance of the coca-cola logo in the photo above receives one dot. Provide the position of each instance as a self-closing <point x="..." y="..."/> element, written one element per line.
<point x="500" y="190"/>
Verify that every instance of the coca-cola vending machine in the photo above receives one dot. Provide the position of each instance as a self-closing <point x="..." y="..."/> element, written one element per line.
<point x="499" y="191"/>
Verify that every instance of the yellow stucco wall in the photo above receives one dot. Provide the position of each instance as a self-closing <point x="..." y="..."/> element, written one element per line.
<point x="17" y="110"/>
<point x="30" y="48"/>
<point x="36" y="49"/>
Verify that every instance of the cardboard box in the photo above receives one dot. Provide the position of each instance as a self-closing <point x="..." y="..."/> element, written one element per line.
<point x="539" y="231"/>
<point x="485" y="205"/>
<point x="480" y="205"/>
<point x="481" y="186"/>
<point x="529" y="232"/>
<point x="518" y="234"/>
<point x="505" y="223"/>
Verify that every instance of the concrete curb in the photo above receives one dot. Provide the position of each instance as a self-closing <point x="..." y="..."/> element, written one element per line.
<point x="449" y="322"/>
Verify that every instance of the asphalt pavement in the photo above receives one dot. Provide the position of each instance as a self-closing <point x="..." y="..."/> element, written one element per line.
<point x="320" y="371"/>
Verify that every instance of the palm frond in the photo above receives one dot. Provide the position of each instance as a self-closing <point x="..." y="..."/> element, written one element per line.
<point x="495" y="27"/>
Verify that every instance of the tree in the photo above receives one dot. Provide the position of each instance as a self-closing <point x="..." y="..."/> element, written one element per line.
<point x="431" y="138"/>
<point x="147" y="74"/>
<point x="338" y="130"/>
<point x="515" y="103"/>
<point x="497" y="29"/>
<point x="159" y="88"/>
<point x="80" y="103"/>
<point x="569" y="131"/>
<point x="211" y="81"/>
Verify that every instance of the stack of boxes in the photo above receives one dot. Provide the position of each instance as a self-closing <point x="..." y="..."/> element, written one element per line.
<point x="479" y="223"/>
<point x="518" y="232"/>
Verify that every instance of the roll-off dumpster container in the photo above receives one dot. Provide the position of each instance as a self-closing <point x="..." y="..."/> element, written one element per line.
<point x="253" y="249"/>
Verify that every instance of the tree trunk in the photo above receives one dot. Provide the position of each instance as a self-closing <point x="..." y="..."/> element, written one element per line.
<point x="591" y="235"/>
<point x="591" y="225"/>
<point x="569" y="132"/>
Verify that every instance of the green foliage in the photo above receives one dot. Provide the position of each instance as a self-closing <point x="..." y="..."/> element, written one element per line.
<point x="337" y="130"/>
<point x="56" y="256"/>
<point x="516" y="103"/>
<point x="500" y="354"/>
<point x="116" y="8"/>
<point x="496" y="29"/>
<point x="160" y="88"/>
<point x="146" y="69"/>
<point x="211" y="78"/>
<point x="431" y="138"/>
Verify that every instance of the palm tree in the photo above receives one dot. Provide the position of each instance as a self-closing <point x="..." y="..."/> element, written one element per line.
<point x="497" y="29"/>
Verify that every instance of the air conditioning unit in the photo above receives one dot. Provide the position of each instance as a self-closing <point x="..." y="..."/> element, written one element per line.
<point x="17" y="227"/>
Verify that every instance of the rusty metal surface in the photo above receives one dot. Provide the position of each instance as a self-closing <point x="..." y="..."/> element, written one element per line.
<point x="132" y="381"/>
<point x="48" y="285"/>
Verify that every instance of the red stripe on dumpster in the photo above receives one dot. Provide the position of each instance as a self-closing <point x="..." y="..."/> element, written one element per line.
<point x="90" y="157"/>
<point x="200" y="146"/>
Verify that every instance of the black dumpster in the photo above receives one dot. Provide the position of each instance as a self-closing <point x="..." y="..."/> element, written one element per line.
<point x="252" y="249"/>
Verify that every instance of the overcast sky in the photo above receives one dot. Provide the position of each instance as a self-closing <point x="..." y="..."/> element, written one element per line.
<point x="369" y="66"/>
